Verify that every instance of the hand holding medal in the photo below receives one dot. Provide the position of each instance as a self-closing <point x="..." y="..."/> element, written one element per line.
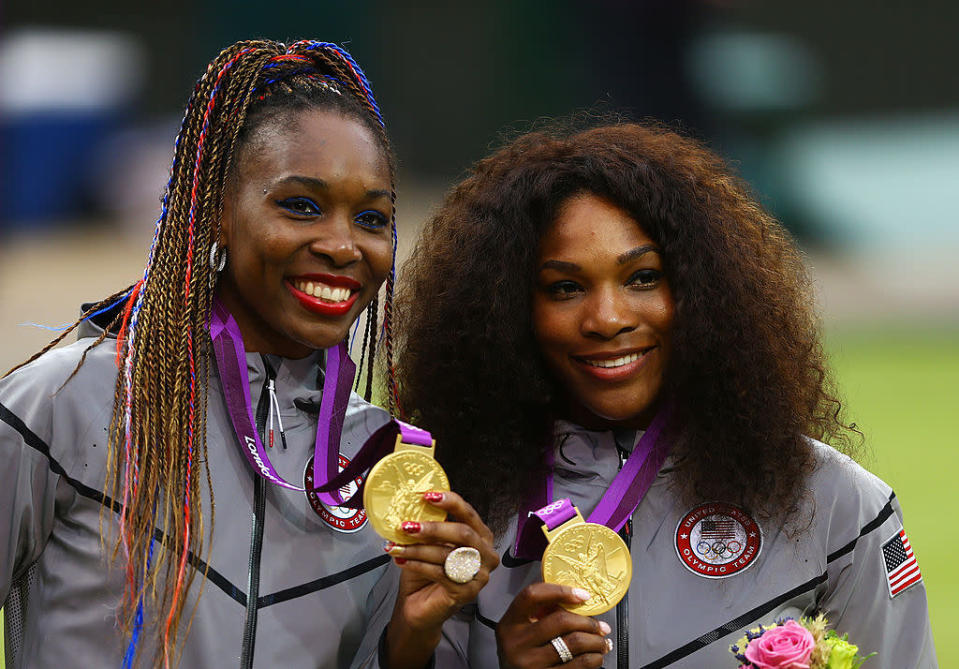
<point x="442" y="546"/>
<point x="584" y="555"/>
<point x="586" y="567"/>
<point x="395" y="488"/>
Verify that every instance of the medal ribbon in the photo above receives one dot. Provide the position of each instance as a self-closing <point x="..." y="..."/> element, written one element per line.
<point x="617" y="504"/>
<point x="231" y="363"/>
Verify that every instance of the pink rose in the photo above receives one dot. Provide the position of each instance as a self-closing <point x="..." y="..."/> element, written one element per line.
<point x="783" y="647"/>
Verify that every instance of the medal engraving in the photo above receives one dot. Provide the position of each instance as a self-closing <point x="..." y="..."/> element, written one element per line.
<point x="592" y="557"/>
<point x="394" y="492"/>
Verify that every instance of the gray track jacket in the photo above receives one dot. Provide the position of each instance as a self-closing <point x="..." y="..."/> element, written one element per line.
<point x="60" y="594"/>
<point x="688" y="603"/>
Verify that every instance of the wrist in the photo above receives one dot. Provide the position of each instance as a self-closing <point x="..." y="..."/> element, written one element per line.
<point x="405" y="647"/>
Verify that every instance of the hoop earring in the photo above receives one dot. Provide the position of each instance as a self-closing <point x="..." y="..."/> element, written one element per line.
<point x="217" y="257"/>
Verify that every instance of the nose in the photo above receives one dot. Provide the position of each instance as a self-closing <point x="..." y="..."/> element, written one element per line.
<point x="608" y="314"/>
<point x="335" y="240"/>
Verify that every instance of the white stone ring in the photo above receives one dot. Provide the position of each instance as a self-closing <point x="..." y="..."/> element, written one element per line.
<point x="462" y="564"/>
<point x="561" y="648"/>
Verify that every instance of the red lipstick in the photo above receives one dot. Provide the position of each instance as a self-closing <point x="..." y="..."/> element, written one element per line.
<point x="318" y="305"/>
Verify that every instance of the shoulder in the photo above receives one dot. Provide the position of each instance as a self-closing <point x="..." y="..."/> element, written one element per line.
<point x="52" y="369"/>
<point x="846" y="498"/>
<point x="34" y="393"/>
<point x="362" y="420"/>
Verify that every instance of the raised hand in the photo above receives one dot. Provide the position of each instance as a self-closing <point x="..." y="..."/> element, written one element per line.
<point x="444" y="567"/>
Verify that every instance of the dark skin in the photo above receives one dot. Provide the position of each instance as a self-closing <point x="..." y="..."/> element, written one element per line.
<point x="602" y="316"/>
<point x="536" y="616"/>
<point x="309" y="203"/>
<point x="426" y="597"/>
<point x="310" y="197"/>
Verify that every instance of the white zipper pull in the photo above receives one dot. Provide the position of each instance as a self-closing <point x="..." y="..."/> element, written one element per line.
<point x="275" y="408"/>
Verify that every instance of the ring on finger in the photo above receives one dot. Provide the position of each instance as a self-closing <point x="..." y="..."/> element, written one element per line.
<point x="561" y="648"/>
<point x="462" y="564"/>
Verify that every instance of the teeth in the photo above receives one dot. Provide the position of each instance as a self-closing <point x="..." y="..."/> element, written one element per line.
<point x="615" y="362"/>
<point x="322" y="291"/>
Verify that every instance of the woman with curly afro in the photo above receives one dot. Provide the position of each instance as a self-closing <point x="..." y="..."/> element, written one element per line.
<point x="608" y="316"/>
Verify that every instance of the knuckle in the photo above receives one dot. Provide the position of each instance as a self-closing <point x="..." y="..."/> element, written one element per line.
<point x="464" y="535"/>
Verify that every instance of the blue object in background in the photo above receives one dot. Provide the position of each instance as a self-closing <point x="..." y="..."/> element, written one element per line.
<point x="46" y="158"/>
<point x="62" y="93"/>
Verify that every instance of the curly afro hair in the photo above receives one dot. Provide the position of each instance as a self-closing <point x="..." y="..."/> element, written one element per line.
<point x="747" y="376"/>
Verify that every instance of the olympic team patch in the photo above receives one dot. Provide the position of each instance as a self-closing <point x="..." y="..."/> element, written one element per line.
<point x="717" y="540"/>
<point x="340" y="518"/>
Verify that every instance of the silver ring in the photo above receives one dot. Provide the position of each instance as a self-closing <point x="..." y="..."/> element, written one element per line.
<point x="561" y="648"/>
<point x="462" y="564"/>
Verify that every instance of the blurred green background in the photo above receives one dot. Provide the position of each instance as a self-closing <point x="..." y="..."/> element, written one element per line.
<point x="843" y="116"/>
<point x="901" y="389"/>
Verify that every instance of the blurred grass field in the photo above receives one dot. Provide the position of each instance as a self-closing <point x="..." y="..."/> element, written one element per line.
<point x="902" y="389"/>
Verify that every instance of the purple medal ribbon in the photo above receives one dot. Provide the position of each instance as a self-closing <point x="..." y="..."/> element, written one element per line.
<point x="617" y="504"/>
<point x="231" y="363"/>
<point x="556" y="513"/>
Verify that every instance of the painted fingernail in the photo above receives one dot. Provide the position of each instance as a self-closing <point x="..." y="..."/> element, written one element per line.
<point x="388" y="546"/>
<point x="411" y="527"/>
<point x="604" y="628"/>
<point x="395" y="549"/>
<point x="581" y="594"/>
<point x="399" y="560"/>
<point x="609" y="645"/>
<point x="433" y="496"/>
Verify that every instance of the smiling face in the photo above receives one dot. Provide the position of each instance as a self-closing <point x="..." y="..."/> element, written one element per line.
<point x="306" y="225"/>
<point x="602" y="313"/>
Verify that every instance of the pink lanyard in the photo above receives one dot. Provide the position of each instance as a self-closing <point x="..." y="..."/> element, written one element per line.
<point x="617" y="504"/>
<point x="231" y="364"/>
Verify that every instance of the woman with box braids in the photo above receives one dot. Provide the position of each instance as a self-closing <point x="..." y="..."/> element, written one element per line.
<point x="165" y="359"/>
<point x="228" y="370"/>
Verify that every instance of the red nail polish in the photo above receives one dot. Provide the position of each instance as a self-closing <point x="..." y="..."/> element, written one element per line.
<point x="411" y="527"/>
<point x="399" y="560"/>
<point x="433" y="496"/>
<point x="388" y="546"/>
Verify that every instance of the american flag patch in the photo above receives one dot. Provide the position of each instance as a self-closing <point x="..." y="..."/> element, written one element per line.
<point x="721" y="528"/>
<point x="902" y="570"/>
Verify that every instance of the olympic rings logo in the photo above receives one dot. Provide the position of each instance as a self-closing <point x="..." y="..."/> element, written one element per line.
<point x="719" y="549"/>
<point x="550" y="509"/>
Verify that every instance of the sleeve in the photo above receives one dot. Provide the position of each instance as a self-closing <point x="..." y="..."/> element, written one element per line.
<point x="451" y="652"/>
<point x="27" y="485"/>
<point x="875" y="591"/>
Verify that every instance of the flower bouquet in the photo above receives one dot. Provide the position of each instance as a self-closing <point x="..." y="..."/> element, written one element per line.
<point x="792" y="644"/>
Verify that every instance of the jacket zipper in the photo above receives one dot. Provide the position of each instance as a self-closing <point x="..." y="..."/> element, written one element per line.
<point x="256" y="541"/>
<point x="622" y="609"/>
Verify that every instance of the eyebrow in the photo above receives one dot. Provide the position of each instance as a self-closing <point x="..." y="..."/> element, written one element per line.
<point x="312" y="182"/>
<point x="632" y="254"/>
<point x="636" y="253"/>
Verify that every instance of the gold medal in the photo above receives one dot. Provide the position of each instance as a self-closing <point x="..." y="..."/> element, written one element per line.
<point x="588" y="556"/>
<point x="395" y="486"/>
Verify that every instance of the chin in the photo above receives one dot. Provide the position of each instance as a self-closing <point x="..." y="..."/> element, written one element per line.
<point x="633" y="416"/>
